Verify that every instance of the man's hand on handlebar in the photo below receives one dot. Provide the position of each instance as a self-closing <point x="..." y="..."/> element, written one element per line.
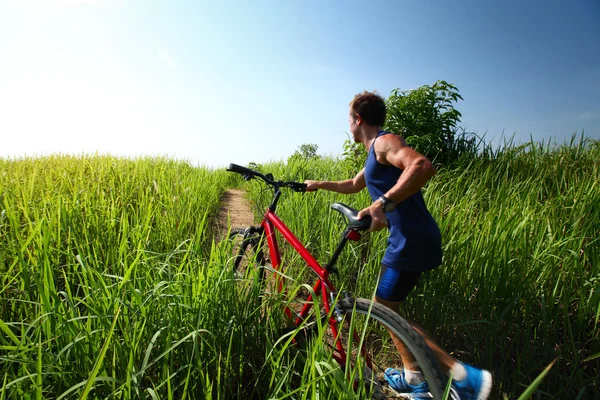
<point x="311" y="186"/>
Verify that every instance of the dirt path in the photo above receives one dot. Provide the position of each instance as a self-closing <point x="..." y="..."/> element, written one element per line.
<point x="235" y="210"/>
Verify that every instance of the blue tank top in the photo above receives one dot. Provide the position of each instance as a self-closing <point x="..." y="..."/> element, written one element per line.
<point x="415" y="242"/>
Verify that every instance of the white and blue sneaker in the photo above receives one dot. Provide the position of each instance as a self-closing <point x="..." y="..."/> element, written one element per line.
<point x="397" y="381"/>
<point x="476" y="386"/>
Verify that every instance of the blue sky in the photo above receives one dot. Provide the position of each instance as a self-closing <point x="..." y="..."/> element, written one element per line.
<point x="239" y="81"/>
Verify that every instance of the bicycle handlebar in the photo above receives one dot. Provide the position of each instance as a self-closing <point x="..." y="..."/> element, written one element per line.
<point x="248" y="174"/>
<point x="354" y="223"/>
<point x="241" y="170"/>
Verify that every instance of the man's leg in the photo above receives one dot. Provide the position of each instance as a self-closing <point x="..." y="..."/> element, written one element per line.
<point x="445" y="359"/>
<point x="471" y="382"/>
<point x="393" y="287"/>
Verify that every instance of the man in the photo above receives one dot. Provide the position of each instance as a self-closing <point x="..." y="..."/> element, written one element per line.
<point x="394" y="175"/>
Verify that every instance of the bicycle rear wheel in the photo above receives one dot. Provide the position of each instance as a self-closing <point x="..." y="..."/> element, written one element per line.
<point x="365" y="332"/>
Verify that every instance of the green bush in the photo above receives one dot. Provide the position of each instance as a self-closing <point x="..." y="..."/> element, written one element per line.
<point x="427" y="118"/>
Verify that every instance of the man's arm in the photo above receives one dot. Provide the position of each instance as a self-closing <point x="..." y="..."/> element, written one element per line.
<point x="348" y="186"/>
<point x="417" y="169"/>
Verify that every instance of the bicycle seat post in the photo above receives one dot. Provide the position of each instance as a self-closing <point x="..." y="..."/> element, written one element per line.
<point x="330" y="265"/>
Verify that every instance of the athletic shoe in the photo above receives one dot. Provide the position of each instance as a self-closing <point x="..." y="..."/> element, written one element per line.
<point x="397" y="381"/>
<point x="476" y="386"/>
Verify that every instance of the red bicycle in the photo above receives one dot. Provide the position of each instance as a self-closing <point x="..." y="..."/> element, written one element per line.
<point x="363" y="335"/>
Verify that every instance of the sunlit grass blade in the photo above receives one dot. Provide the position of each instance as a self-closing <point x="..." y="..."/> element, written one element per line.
<point x="534" y="385"/>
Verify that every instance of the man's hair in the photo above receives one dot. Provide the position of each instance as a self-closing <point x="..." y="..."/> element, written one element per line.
<point x="370" y="106"/>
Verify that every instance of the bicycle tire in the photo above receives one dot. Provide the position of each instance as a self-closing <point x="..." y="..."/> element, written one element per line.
<point x="246" y="251"/>
<point x="381" y="319"/>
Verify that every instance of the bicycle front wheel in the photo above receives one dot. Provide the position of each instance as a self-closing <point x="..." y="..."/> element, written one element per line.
<point x="367" y="339"/>
<point x="246" y="258"/>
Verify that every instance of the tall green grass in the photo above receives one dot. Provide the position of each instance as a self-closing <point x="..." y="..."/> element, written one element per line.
<point x="520" y="281"/>
<point x="112" y="285"/>
<point x="519" y="285"/>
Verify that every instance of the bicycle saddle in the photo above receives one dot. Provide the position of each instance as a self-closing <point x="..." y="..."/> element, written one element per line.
<point x="350" y="213"/>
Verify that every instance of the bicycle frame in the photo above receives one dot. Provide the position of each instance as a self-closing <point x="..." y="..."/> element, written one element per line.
<point x="323" y="286"/>
<point x="270" y="224"/>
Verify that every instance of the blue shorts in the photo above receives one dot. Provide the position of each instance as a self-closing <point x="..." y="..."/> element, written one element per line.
<point x="395" y="285"/>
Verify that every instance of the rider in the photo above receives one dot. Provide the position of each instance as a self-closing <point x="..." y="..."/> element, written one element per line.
<point x="394" y="174"/>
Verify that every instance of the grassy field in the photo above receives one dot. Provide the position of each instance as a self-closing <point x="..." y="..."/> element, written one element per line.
<point x="113" y="287"/>
<point x="106" y="273"/>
